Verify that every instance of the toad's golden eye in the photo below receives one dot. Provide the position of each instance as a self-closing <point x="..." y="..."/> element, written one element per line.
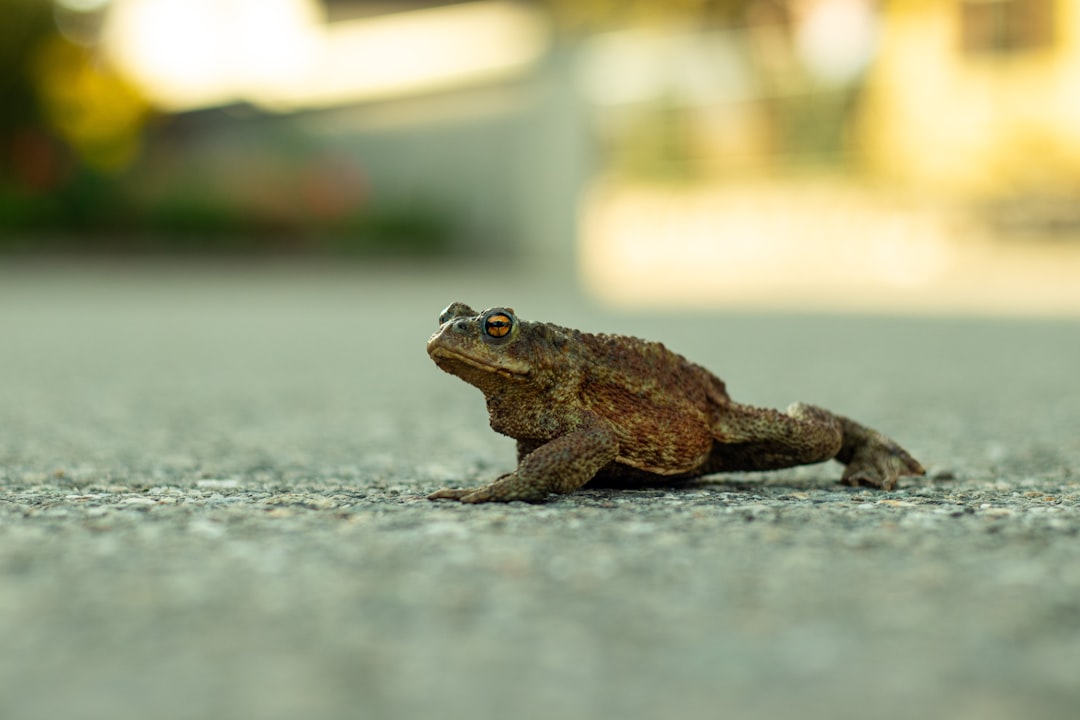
<point x="498" y="325"/>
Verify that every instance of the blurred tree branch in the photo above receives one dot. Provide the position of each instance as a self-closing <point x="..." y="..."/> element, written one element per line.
<point x="25" y="23"/>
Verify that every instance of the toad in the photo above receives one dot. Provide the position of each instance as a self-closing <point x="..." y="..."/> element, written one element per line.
<point x="586" y="407"/>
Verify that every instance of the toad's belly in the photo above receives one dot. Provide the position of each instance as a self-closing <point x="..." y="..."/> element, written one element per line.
<point x="617" y="474"/>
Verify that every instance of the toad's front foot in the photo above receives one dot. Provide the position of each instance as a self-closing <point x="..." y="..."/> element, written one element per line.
<point x="508" y="488"/>
<point x="879" y="462"/>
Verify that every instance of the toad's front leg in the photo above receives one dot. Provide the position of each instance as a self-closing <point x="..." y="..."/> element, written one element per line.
<point x="561" y="466"/>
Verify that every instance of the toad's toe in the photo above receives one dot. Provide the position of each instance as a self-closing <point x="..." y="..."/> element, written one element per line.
<point x="450" y="494"/>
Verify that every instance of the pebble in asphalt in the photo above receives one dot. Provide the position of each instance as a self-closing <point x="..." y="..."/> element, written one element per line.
<point x="212" y="504"/>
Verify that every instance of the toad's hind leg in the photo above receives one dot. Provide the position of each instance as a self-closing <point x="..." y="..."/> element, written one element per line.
<point x="751" y="438"/>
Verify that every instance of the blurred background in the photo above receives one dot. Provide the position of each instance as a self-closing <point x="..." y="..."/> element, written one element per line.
<point x="227" y="228"/>
<point x="902" y="156"/>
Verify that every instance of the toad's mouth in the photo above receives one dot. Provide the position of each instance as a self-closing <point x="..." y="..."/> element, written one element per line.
<point x="443" y="356"/>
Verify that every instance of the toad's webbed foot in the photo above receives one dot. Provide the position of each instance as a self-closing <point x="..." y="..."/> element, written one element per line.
<point x="877" y="462"/>
<point x="872" y="459"/>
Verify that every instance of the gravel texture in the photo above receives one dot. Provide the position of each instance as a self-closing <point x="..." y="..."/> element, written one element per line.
<point x="212" y="504"/>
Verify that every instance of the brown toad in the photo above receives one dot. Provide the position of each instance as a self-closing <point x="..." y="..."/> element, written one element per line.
<point x="585" y="406"/>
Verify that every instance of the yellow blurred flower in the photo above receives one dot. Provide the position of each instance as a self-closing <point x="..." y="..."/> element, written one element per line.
<point x="88" y="104"/>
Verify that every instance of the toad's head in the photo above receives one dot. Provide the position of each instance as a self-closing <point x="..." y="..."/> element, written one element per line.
<point x="483" y="349"/>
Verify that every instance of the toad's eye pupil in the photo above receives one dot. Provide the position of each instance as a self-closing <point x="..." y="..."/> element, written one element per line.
<point x="498" y="326"/>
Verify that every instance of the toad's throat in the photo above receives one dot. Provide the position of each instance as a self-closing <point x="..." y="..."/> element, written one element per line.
<point x="442" y="356"/>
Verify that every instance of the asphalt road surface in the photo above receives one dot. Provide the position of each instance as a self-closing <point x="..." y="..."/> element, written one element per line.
<point x="212" y="505"/>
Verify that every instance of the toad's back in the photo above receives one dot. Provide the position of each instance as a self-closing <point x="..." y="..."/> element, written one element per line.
<point x="661" y="406"/>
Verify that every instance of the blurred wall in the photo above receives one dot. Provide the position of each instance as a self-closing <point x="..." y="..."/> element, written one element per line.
<point x="507" y="164"/>
<point x="977" y="98"/>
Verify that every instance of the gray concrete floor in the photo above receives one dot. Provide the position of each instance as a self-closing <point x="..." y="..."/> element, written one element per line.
<point x="212" y="488"/>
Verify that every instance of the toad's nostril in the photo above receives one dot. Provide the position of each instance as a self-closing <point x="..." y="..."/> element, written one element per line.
<point x="460" y="325"/>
